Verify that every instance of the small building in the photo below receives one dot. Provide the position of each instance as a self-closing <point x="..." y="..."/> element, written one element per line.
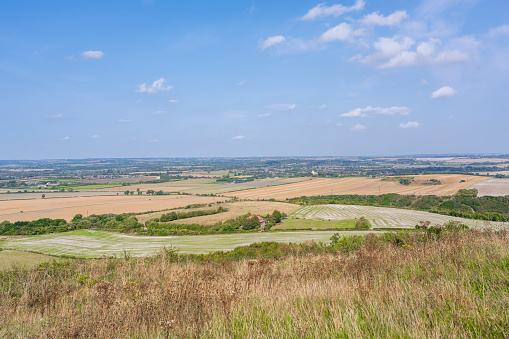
<point x="261" y="220"/>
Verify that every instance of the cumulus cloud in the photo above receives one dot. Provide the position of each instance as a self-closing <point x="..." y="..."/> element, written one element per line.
<point x="92" y="54"/>
<point x="395" y="52"/>
<point x="241" y="83"/>
<point x="322" y="10"/>
<point x="273" y="41"/>
<point x="341" y="32"/>
<point x="410" y="124"/>
<point x="57" y="116"/>
<point x="65" y="138"/>
<point x="158" y="112"/>
<point x="96" y="136"/>
<point x="282" y="107"/>
<point x="239" y="137"/>
<point x="321" y="107"/>
<point x="358" y="127"/>
<point x="173" y="101"/>
<point x="264" y="115"/>
<point x="500" y="30"/>
<point x="156" y="87"/>
<point x="377" y="19"/>
<point x="443" y="92"/>
<point x="363" y="112"/>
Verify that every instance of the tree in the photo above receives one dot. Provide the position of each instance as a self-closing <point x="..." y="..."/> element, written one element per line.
<point x="43" y="195"/>
<point x="126" y="192"/>
<point x="362" y="224"/>
<point x="150" y="192"/>
<point x="138" y="190"/>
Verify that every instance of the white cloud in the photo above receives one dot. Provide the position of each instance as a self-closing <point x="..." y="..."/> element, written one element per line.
<point x="239" y="137"/>
<point x="156" y="87"/>
<point x="395" y="52"/>
<point x="321" y="107"/>
<point x="376" y="19"/>
<point x="264" y="115"/>
<point x="123" y="120"/>
<point x="154" y="140"/>
<point x="159" y="112"/>
<point x="173" y="101"/>
<point x="57" y="116"/>
<point x="443" y="92"/>
<point x="282" y="107"/>
<point x="358" y="127"/>
<point x="96" y="136"/>
<point x="241" y="83"/>
<point x="410" y="124"/>
<point x="273" y="41"/>
<point x="500" y="30"/>
<point x="362" y="112"/>
<point x="339" y="124"/>
<point x="321" y="10"/>
<point x="341" y="32"/>
<point x="92" y="54"/>
<point x="65" y="138"/>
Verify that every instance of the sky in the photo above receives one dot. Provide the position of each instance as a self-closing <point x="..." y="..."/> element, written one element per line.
<point x="230" y="78"/>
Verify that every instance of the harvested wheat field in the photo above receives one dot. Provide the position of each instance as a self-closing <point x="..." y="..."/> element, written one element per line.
<point x="203" y="186"/>
<point x="66" y="208"/>
<point x="235" y="209"/>
<point x="493" y="187"/>
<point x="451" y="183"/>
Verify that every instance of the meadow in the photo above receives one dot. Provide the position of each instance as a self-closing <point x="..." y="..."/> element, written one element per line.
<point x="314" y="224"/>
<point x="383" y="217"/>
<point x="451" y="183"/>
<point x="402" y="286"/>
<point x="17" y="259"/>
<point x="94" y="244"/>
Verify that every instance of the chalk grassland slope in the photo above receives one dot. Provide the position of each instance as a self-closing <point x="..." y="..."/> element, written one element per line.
<point x="9" y="259"/>
<point x="93" y="244"/>
<point x="493" y="187"/>
<point x="451" y="183"/>
<point x="204" y="186"/>
<point x="383" y="216"/>
<point x="235" y="209"/>
<point x="63" y="208"/>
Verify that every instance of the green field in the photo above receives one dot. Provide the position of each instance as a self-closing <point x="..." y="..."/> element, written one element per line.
<point x="308" y="224"/>
<point x="91" y="244"/>
<point x="9" y="259"/>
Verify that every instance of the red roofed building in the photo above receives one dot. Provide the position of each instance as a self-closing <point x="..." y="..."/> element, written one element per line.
<point x="261" y="220"/>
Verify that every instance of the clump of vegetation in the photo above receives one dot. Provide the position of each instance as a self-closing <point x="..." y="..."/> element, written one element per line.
<point x="362" y="224"/>
<point x="411" y="285"/>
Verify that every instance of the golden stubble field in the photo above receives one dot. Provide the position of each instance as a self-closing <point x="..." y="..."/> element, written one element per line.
<point x="66" y="208"/>
<point x="235" y="209"/>
<point x="451" y="183"/>
<point x="202" y="186"/>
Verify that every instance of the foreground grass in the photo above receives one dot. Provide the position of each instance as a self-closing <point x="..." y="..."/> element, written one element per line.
<point x="9" y="259"/>
<point x="408" y="286"/>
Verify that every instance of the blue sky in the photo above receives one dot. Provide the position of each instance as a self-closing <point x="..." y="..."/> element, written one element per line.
<point x="253" y="78"/>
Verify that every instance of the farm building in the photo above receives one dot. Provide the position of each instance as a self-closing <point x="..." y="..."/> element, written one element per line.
<point x="261" y="220"/>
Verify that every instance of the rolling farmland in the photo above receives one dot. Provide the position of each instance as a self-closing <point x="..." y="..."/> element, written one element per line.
<point x="383" y="217"/>
<point x="66" y="208"/>
<point x="93" y="244"/>
<point x="493" y="187"/>
<point x="451" y="183"/>
<point x="235" y="209"/>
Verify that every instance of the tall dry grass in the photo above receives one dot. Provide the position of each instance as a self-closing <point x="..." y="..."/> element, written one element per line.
<point x="456" y="286"/>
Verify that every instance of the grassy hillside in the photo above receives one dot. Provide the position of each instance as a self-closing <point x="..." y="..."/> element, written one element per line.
<point x="396" y="286"/>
